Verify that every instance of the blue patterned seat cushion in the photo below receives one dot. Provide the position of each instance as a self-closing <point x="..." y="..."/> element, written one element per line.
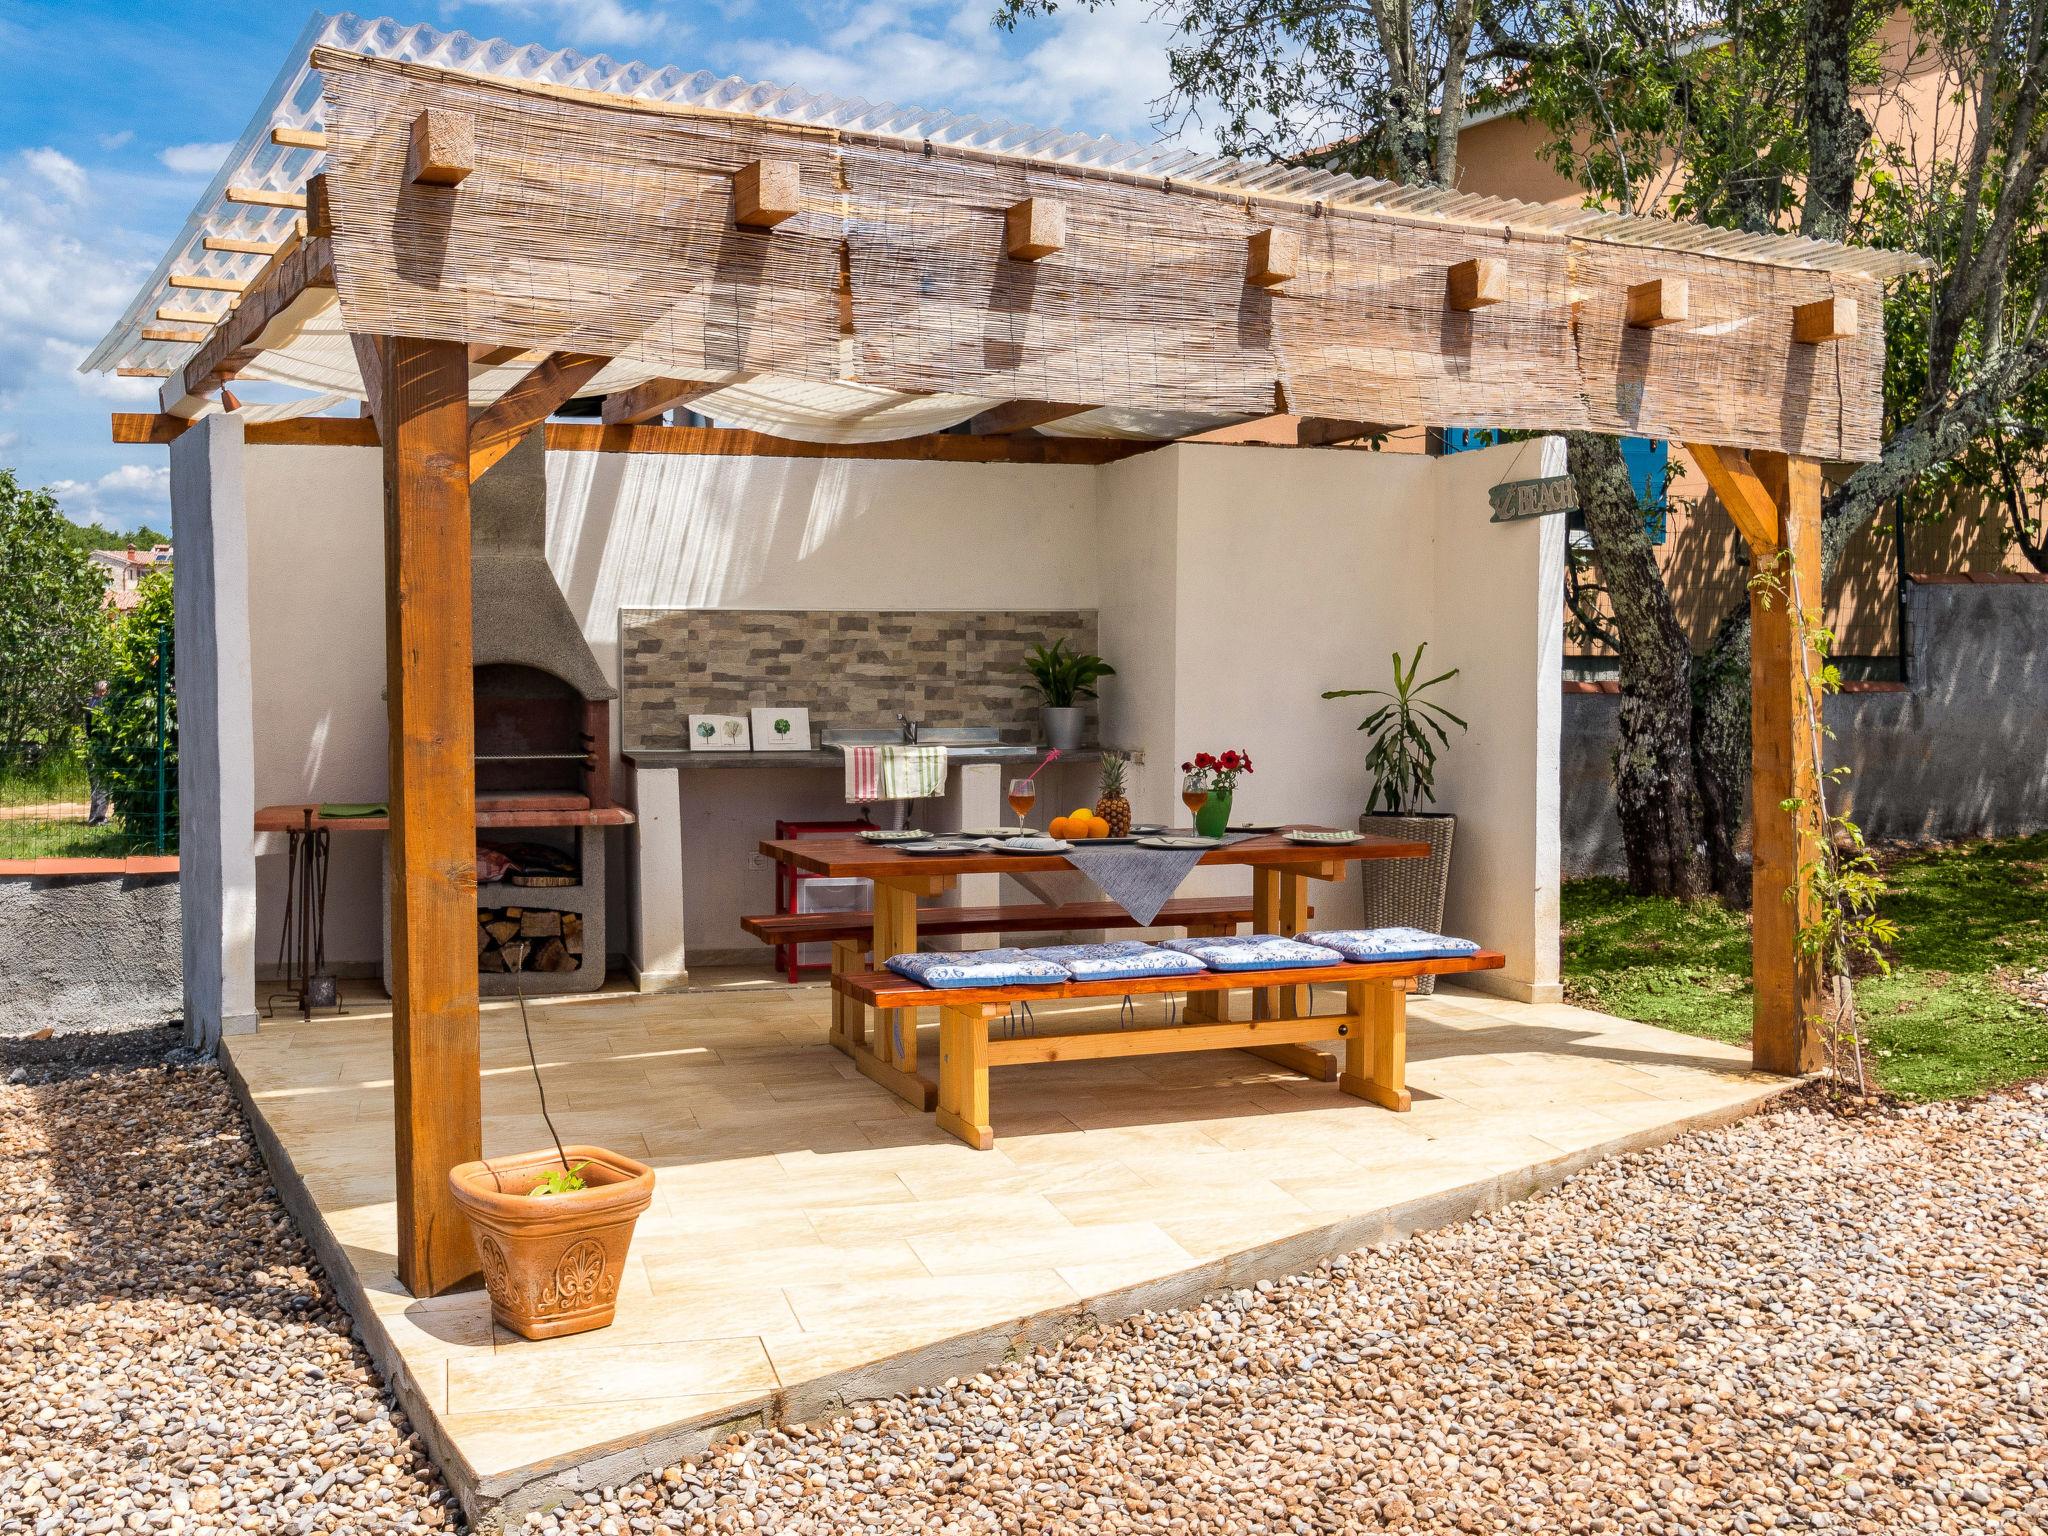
<point x="1254" y="952"/>
<point x="1119" y="960"/>
<point x="979" y="968"/>
<point x="1365" y="945"/>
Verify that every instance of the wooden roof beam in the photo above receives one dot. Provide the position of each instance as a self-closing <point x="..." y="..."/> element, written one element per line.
<point x="1829" y="319"/>
<point x="192" y="316"/>
<point x="208" y="284"/>
<point x="1272" y="257"/>
<point x="482" y="355"/>
<point x="177" y="334"/>
<point x="1660" y="301"/>
<point x="766" y="192"/>
<point x="234" y="245"/>
<point x="263" y="197"/>
<point x="1476" y="283"/>
<point x="1034" y="229"/>
<point x="287" y="293"/>
<point x="496" y="429"/>
<point x="657" y="397"/>
<point x="1021" y="416"/>
<point x="298" y="138"/>
<point x="442" y="150"/>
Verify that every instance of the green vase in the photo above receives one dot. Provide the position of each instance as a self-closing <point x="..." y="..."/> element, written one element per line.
<point x="1213" y="819"/>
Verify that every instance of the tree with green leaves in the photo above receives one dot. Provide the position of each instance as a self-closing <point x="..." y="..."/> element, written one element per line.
<point x="1742" y="116"/>
<point x="131" y="729"/>
<point x="52" y="627"/>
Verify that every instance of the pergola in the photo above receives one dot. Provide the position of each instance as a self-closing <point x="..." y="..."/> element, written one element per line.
<point x="466" y="237"/>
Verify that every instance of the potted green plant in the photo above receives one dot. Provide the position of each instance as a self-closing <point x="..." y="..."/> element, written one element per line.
<point x="1064" y="679"/>
<point x="1405" y="733"/>
<point x="552" y="1227"/>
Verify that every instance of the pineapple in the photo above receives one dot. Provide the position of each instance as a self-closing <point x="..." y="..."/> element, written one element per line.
<point x="1113" y="807"/>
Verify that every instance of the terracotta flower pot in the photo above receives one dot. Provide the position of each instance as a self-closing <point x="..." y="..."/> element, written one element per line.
<point x="552" y="1262"/>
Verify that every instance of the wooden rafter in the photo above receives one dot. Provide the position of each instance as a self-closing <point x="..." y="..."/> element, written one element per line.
<point x="264" y="197"/>
<point x="234" y="245"/>
<point x="206" y="283"/>
<point x="482" y="355"/>
<point x="299" y="138"/>
<point x="1021" y="416"/>
<point x="295" y="285"/>
<point x="496" y="429"/>
<point x="644" y="402"/>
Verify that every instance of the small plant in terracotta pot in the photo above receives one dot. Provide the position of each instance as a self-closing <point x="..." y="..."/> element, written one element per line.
<point x="552" y="1229"/>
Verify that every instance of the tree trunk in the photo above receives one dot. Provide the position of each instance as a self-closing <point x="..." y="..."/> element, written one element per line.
<point x="1654" y="786"/>
<point x="1720" y="752"/>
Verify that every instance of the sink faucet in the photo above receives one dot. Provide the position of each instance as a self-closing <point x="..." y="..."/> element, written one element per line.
<point x="909" y="728"/>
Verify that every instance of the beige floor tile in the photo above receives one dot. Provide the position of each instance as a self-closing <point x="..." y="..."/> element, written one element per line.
<point x="941" y="1305"/>
<point x="504" y="1440"/>
<point x="677" y="1272"/>
<point x="550" y="1379"/>
<point x="990" y="1215"/>
<point x="993" y="1252"/>
<point x="1165" y="1205"/>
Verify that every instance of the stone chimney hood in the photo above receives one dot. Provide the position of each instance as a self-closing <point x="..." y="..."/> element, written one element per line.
<point x="519" y="616"/>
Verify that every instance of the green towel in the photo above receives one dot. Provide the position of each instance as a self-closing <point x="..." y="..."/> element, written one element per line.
<point x="350" y="812"/>
<point x="913" y="773"/>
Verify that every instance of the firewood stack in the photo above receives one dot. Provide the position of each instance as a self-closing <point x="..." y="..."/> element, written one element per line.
<point x="528" y="939"/>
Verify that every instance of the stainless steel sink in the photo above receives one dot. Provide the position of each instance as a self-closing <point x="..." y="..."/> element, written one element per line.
<point x="963" y="743"/>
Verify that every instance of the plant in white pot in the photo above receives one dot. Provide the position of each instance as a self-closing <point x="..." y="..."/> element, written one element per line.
<point x="1064" y="679"/>
<point x="1406" y="731"/>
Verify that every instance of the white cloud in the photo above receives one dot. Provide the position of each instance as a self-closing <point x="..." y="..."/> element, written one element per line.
<point x="124" y="497"/>
<point x="1090" y="71"/>
<point x="59" y="170"/>
<point x="593" y="23"/>
<point x="112" y="141"/>
<point x="194" y="159"/>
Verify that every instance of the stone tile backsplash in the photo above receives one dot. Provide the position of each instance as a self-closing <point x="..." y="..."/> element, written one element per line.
<point x="851" y="670"/>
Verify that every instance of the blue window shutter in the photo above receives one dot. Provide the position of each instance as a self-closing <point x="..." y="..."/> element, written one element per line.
<point x="1647" y="459"/>
<point x="1460" y="439"/>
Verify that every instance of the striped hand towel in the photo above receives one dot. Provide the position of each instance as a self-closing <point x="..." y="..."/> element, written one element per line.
<point x="894" y="773"/>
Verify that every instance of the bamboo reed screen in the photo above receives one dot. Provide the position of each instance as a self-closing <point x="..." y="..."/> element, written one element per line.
<point x="603" y="225"/>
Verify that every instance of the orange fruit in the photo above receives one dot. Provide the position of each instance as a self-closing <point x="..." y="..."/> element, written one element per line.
<point x="1097" y="825"/>
<point x="1061" y="827"/>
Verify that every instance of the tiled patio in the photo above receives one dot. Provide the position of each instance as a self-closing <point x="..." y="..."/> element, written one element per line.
<point x="813" y="1241"/>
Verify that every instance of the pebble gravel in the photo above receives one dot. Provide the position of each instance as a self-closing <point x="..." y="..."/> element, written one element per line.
<point x="1801" y="1322"/>
<point x="171" y="1360"/>
<point x="1797" y="1323"/>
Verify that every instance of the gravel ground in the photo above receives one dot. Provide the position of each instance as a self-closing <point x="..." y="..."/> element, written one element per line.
<point x="1796" y="1323"/>
<point x="170" y="1358"/>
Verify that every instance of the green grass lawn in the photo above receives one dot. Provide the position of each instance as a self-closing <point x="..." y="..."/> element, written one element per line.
<point x="1971" y="917"/>
<point x="42" y="816"/>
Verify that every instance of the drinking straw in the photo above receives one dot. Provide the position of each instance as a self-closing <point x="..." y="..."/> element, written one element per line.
<point x="1055" y="752"/>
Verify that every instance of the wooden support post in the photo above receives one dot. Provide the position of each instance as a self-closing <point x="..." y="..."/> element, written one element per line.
<point x="1782" y="768"/>
<point x="963" y="1076"/>
<point x="1376" y="1051"/>
<point x="438" y="1111"/>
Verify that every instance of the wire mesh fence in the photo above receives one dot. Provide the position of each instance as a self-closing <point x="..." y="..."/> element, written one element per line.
<point x="107" y="788"/>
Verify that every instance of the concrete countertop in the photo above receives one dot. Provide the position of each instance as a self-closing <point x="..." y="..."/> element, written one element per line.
<point x="1006" y="752"/>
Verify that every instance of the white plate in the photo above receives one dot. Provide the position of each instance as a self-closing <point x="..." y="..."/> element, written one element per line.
<point x="1180" y="842"/>
<point x="1324" y="839"/>
<point x="998" y="832"/>
<point x="1034" y="847"/>
<point x="894" y="835"/>
<point x="938" y="845"/>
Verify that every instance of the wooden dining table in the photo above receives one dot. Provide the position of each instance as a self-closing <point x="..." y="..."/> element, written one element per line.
<point x="884" y="1047"/>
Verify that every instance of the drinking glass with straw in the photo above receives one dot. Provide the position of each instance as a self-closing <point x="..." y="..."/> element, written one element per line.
<point x="1024" y="792"/>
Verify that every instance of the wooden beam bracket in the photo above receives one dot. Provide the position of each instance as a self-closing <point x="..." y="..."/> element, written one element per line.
<point x="1272" y="257"/>
<point x="657" y="397"/>
<point x="496" y="429"/>
<point x="1829" y="319"/>
<point x="1661" y="301"/>
<point x="1749" y="504"/>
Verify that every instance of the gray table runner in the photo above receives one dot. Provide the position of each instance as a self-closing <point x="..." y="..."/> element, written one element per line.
<point x="1140" y="880"/>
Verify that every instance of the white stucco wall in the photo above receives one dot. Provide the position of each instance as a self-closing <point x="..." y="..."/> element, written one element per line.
<point x="1234" y="584"/>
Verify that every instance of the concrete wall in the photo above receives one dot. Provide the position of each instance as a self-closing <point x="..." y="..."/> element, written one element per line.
<point x="89" y="952"/>
<point x="1961" y="751"/>
<point x="1232" y="585"/>
<point x="216" y="780"/>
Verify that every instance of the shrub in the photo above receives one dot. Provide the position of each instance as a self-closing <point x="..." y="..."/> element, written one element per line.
<point x="123" y="741"/>
<point x="53" y="627"/>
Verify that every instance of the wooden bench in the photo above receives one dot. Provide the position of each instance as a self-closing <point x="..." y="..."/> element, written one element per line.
<point x="1373" y="1027"/>
<point x="851" y="935"/>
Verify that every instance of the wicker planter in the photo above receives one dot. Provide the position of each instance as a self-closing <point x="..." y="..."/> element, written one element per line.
<point x="1409" y="893"/>
<point x="552" y="1262"/>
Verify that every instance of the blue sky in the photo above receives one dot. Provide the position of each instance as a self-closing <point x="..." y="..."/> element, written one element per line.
<point x="115" y="115"/>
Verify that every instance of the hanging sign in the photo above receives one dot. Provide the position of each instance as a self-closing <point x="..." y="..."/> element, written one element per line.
<point x="1514" y="500"/>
